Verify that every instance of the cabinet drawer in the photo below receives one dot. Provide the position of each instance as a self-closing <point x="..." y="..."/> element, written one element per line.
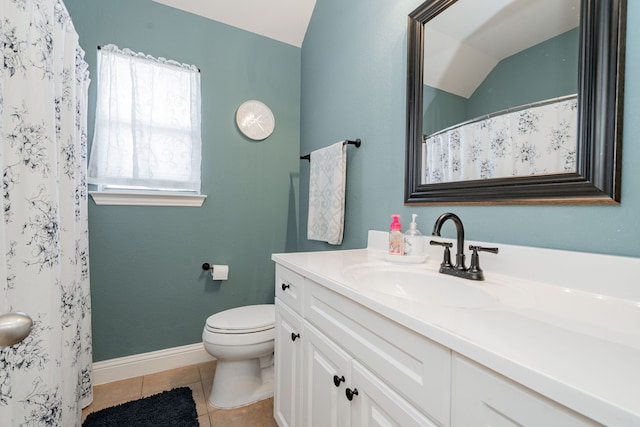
<point x="289" y="288"/>
<point x="415" y="367"/>
<point x="483" y="397"/>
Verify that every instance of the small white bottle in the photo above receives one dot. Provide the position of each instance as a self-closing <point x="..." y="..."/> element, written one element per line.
<point x="395" y="237"/>
<point x="413" y="239"/>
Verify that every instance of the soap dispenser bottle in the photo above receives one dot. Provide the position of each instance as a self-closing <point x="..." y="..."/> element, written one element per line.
<point x="395" y="236"/>
<point x="413" y="239"/>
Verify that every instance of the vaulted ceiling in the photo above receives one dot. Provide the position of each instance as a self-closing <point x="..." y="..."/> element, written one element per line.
<point x="282" y="20"/>
<point x="467" y="39"/>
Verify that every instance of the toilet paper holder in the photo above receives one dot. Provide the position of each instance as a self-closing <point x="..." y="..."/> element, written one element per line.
<point x="218" y="272"/>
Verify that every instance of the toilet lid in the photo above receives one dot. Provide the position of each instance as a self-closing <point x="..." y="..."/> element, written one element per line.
<point x="239" y="320"/>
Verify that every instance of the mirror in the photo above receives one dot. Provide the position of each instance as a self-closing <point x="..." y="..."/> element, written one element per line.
<point x="495" y="106"/>
<point x="447" y="75"/>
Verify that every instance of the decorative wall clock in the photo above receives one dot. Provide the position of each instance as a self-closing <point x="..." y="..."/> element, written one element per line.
<point x="255" y="120"/>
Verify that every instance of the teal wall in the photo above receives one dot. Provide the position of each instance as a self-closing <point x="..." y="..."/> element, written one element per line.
<point x="546" y="70"/>
<point x="442" y="109"/>
<point x="347" y="81"/>
<point x="354" y="85"/>
<point x="148" y="289"/>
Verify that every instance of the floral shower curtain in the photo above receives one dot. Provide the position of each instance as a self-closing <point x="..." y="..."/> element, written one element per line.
<point x="533" y="141"/>
<point x="44" y="266"/>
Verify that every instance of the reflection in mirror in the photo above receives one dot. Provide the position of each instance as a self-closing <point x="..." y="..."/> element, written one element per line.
<point x="514" y="101"/>
<point x="496" y="106"/>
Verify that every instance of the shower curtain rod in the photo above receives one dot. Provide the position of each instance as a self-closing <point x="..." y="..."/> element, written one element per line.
<point x="356" y="142"/>
<point x="501" y="112"/>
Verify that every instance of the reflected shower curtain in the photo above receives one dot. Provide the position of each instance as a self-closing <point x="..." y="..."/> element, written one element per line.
<point x="533" y="141"/>
<point x="44" y="264"/>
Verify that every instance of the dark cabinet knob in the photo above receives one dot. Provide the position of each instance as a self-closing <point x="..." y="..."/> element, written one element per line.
<point x="350" y="393"/>
<point x="294" y="336"/>
<point x="285" y="286"/>
<point x="337" y="380"/>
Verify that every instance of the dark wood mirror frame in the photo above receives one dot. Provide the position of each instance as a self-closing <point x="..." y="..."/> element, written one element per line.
<point x="600" y="103"/>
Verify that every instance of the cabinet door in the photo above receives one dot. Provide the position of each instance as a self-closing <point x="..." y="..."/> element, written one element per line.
<point x="375" y="404"/>
<point x="287" y="365"/>
<point x="486" y="399"/>
<point x="326" y="371"/>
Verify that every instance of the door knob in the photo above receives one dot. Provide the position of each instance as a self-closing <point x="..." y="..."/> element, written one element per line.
<point x="14" y="327"/>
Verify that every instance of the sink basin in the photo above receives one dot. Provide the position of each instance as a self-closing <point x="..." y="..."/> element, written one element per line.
<point x="420" y="286"/>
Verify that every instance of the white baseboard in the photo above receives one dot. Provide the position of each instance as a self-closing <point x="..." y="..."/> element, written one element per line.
<point x="122" y="368"/>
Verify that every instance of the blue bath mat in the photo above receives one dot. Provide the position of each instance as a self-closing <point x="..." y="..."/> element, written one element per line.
<point x="173" y="408"/>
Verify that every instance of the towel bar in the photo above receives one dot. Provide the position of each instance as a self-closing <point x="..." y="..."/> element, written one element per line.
<point x="356" y="142"/>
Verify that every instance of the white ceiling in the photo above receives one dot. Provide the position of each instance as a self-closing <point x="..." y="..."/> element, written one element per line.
<point x="467" y="40"/>
<point x="282" y="20"/>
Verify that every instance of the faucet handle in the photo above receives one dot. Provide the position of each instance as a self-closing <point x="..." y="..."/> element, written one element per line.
<point x="474" y="268"/>
<point x="436" y="243"/>
<point x="482" y="249"/>
<point x="446" y="262"/>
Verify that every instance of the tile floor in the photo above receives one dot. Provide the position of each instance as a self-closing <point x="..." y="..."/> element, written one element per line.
<point x="199" y="379"/>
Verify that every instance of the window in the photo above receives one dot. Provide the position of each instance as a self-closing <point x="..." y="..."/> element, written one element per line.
<point x="147" y="130"/>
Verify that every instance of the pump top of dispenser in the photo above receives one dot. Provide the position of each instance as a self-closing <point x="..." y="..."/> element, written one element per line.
<point x="413" y="243"/>
<point x="413" y="225"/>
<point x="395" y="224"/>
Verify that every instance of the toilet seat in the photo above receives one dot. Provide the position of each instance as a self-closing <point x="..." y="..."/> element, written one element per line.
<point x="242" y="320"/>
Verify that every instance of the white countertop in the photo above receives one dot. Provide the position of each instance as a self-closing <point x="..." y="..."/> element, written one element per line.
<point x="581" y="349"/>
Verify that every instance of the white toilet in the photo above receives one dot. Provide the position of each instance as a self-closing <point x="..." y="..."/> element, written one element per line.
<point x="242" y="339"/>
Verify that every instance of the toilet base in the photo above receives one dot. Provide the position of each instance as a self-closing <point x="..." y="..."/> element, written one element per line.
<point x="239" y="383"/>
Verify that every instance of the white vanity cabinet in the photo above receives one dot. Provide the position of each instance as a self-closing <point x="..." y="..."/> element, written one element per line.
<point x="331" y="376"/>
<point x="411" y="369"/>
<point x="339" y="391"/>
<point x="358" y="367"/>
<point x="484" y="398"/>
<point x="559" y="347"/>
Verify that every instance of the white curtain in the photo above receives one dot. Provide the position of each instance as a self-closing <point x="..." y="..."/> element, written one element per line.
<point x="147" y="131"/>
<point x="533" y="141"/>
<point x="44" y="262"/>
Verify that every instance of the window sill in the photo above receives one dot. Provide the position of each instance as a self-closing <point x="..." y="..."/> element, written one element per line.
<point x="146" y="199"/>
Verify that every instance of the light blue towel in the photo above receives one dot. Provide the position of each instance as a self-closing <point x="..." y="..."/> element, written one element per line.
<point x="327" y="185"/>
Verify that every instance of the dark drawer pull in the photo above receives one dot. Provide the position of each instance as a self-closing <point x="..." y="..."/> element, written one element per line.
<point x="337" y="380"/>
<point x="285" y="286"/>
<point x="294" y="336"/>
<point x="350" y="393"/>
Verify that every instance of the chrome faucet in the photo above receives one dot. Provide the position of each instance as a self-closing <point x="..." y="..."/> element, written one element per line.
<point x="474" y="272"/>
